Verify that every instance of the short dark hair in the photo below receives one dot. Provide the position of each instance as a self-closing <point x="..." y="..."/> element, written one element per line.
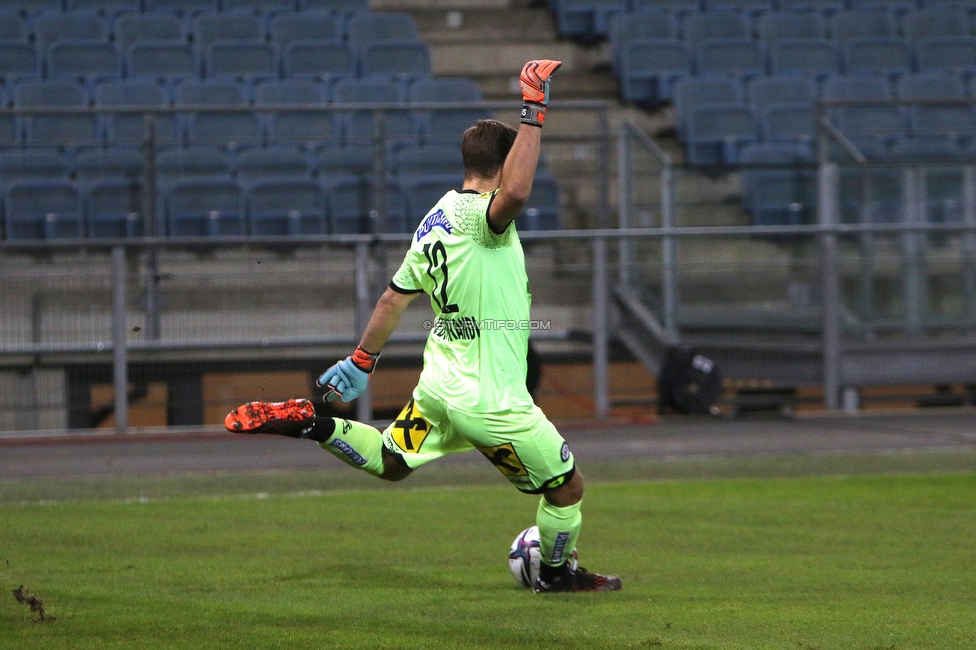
<point x="485" y="146"/>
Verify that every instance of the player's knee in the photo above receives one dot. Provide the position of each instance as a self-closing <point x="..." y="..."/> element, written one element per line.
<point x="567" y="494"/>
<point x="394" y="469"/>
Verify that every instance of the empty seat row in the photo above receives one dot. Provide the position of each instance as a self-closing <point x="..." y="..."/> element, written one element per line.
<point x="203" y="30"/>
<point x="650" y="68"/>
<point x="592" y="19"/>
<point x="187" y="7"/>
<point x="212" y="207"/>
<point x="173" y="164"/>
<point x="88" y="60"/>
<point x="250" y="124"/>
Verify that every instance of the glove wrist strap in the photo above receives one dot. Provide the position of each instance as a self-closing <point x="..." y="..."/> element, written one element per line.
<point x="364" y="360"/>
<point x="533" y="114"/>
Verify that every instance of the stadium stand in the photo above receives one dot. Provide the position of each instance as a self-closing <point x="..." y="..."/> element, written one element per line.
<point x="170" y="57"/>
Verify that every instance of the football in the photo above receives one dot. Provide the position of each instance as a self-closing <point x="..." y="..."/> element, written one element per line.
<point x="523" y="557"/>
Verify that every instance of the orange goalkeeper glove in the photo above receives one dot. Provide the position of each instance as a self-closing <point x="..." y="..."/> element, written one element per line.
<point x="534" y="81"/>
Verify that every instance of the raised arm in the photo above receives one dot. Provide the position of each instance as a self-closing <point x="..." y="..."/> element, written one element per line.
<point x="520" y="165"/>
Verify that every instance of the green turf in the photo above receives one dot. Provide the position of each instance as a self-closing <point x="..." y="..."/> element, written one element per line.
<point x="848" y="563"/>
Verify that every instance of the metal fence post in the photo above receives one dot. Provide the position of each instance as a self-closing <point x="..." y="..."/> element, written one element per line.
<point x="364" y="404"/>
<point x="969" y="247"/>
<point x="601" y="304"/>
<point x="669" y="254"/>
<point x="120" y="367"/>
<point x="913" y="249"/>
<point x="625" y="173"/>
<point x="830" y="299"/>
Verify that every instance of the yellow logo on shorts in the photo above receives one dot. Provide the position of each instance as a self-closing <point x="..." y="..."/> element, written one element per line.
<point x="505" y="459"/>
<point x="410" y="429"/>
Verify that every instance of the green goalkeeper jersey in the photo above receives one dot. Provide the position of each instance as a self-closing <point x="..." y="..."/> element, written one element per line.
<point x="475" y="358"/>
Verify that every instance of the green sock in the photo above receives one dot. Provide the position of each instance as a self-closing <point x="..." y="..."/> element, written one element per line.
<point x="356" y="444"/>
<point x="559" y="528"/>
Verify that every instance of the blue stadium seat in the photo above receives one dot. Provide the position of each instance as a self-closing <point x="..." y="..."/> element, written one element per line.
<point x="586" y="19"/>
<point x="338" y="7"/>
<point x="130" y="127"/>
<point x="740" y="57"/>
<point x="53" y="129"/>
<point x="814" y="57"/>
<point x="82" y="61"/>
<point x="205" y="208"/>
<point x="110" y="164"/>
<point x="350" y="200"/>
<point x="542" y="210"/>
<point x="181" y="7"/>
<point x="207" y="29"/>
<point x="872" y="124"/>
<point x="424" y="191"/>
<point x="18" y="63"/>
<point x="242" y="60"/>
<point x="930" y="22"/>
<point x="444" y="89"/>
<point x="717" y="133"/>
<point x="305" y="26"/>
<point x="12" y="27"/>
<point x="35" y="6"/>
<point x="880" y="54"/>
<point x="748" y="7"/>
<point x="697" y="27"/>
<point x="17" y="166"/>
<point x="161" y="61"/>
<point x="261" y="6"/>
<point x="223" y="128"/>
<point x="790" y="25"/>
<point x="115" y="208"/>
<point x="102" y="6"/>
<point x="947" y="53"/>
<point x="419" y="160"/>
<point x="9" y="127"/>
<point x="297" y="126"/>
<point x="785" y="191"/>
<point x="659" y="24"/>
<point x="790" y="123"/>
<point x="323" y="60"/>
<point x="286" y="207"/>
<point x="678" y="7"/>
<point x="51" y="27"/>
<point x="42" y="210"/>
<point x="401" y="126"/>
<point x="780" y="89"/>
<point x="191" y="163"/>
<point x="692" y="92"/>
<point x="447" y="124"/>
<point x="932" y="121"/>
<point x="279" y="161"/>
<point x="357" y="160"/>
<point x="845" y="25"/>
<point x="132" y="28"/>
<point x="649" y="70"/>
<point x="927" y="148"/>
<point x="365" y="28"/>
<point x="395" y="59"/>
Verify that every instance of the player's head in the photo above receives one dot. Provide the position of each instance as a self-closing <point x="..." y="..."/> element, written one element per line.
<point x="484" y="148"/>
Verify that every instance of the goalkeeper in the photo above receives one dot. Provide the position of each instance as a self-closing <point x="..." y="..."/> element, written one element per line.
<point x="467" y="257"/>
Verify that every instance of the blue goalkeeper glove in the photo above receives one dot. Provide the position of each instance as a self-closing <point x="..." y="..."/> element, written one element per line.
<point x="348" y="378"/>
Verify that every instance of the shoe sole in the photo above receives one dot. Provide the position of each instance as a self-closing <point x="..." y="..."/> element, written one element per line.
<point x="270" y="417"/>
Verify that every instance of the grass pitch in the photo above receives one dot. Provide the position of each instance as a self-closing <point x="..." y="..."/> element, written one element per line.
<point x="863" y="562"/>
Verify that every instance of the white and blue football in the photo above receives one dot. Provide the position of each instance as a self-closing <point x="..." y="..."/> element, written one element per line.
<point x="524" y="557"/>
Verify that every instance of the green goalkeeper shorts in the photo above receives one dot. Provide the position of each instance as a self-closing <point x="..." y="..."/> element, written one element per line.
<point x="524" y="445"/>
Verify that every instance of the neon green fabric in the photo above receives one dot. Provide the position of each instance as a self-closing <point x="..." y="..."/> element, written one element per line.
<point x="521" y="443"/>
<point x="356" y="444"/>
<point x="559" y="529"/>
<point x="475" y="358"/>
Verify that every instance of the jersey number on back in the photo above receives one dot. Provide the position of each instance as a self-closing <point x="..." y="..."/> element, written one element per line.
<point x="437" y="265"/>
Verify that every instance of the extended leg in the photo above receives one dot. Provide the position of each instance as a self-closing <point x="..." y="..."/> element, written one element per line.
<point x="356" y="444"/>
